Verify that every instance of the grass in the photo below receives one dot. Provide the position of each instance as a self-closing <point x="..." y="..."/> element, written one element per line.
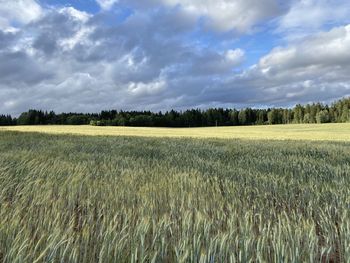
<point x="126" y="199"/>
<point x="330" y="132"/>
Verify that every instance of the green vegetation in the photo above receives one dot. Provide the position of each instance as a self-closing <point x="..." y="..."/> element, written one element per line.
<point x="123" y="199"/>
<point x="338" y="112"/>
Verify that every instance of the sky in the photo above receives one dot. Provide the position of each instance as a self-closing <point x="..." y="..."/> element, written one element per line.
<point x="93" y="55"/>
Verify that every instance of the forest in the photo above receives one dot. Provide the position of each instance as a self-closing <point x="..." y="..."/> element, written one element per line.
<point x="337" y="112"/>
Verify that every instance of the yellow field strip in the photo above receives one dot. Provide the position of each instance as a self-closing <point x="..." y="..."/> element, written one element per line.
<point x="331" y="132"/>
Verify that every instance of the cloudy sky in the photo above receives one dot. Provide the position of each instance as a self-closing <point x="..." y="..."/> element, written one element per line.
<point x="90" y="55"/>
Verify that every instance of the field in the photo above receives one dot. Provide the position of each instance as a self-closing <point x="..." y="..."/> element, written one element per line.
<point x="331" y="132"/>
<point x="73" y="198"/>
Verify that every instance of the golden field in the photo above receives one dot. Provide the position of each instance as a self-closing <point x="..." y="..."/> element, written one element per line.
<point x="318" y="132"/>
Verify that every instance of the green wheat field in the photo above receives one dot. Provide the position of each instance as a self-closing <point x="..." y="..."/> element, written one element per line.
<point x="74" y="198"/>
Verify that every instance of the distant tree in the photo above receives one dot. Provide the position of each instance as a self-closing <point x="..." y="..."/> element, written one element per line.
<point x="141" y="121"/>
<point x="100" y="123"/>
<point x="192" y="118"/>
<point x="23" y="119"/>
<point x="298" y="114"/>
<point x="93" y="122"/>
<point x="287" y="116"/>
<point x="51" y="118"/>
<point x="322" y="116"/>
<point x="313" y="111"/>
<point x="6" y="120"/>
<point x="233" y="116"/>
<point x="77" y="120"/>
<point x="307" y="118"/>
<point x="338" y="111"/>
<point x="273" y="117"/>
<point x="246" y="117"/>
<point x="242" y="117"/>
<point x="345" y="117"/>
<point x="119" y="120"/>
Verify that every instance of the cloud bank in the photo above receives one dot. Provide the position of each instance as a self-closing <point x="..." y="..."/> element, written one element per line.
<point x="163" y="54"/>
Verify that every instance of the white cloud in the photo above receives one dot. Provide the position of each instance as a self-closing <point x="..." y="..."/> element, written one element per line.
<point x="305" y="16"/>
<point x="319" y="51"/>
<point x="225" y="15"/>
<point x="75" y="14"/>
<point x="18" y="11"/>
<point x="310" y="70"/>
<point x="221" y="15"/>
<point x="235" y="56"/>
<point x="107" y="4"/>
<point x="147" y="89"/>
<point x="82" y="31"/>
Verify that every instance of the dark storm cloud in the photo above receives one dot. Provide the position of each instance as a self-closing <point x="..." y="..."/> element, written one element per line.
<point x="7" y="39"/>
<point x="18" y="67"/>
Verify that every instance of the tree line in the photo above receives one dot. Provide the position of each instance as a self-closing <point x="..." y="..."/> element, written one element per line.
<point x="337" y="112"/>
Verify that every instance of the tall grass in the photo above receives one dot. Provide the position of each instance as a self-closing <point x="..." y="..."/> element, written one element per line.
<point x="107" y="199"/>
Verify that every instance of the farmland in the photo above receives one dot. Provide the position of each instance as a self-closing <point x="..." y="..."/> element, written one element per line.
<point x="226" y="196"/>
<point x="314" y="132"/>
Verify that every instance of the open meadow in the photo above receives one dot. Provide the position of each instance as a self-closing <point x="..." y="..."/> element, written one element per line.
<point x="235" y="194"/>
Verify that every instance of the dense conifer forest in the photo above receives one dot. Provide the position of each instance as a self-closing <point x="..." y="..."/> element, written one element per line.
<point x="337" y="112"/>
